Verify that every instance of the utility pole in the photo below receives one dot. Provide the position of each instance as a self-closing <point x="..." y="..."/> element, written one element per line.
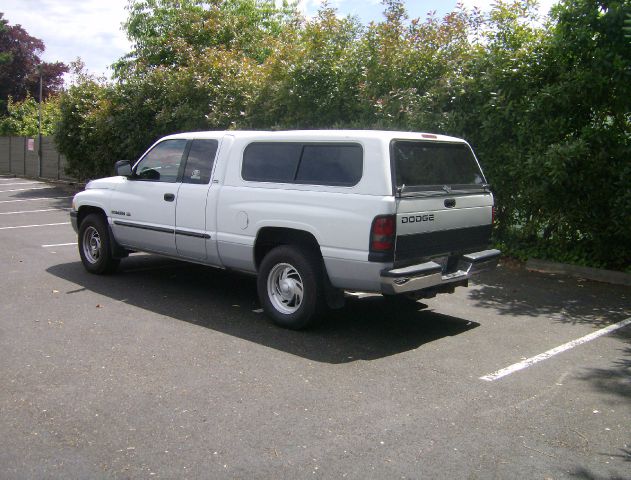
<point x="39" y="125"/>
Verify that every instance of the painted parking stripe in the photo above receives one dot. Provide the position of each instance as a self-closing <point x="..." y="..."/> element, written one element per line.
<point x="34" y="199"/>
<point x="59" y="245"/>
<point x="35" y="211"/>
<point x="554" y="351"/>
<point x="25" y="189"/>
<point x="20" y="183"/>
<point x="33" y="226"/>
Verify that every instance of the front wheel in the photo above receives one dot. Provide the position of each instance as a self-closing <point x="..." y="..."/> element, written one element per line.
<point x="290" y="287"/>
<point x="94" y="245"/>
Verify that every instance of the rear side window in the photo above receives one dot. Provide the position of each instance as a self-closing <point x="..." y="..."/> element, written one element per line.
<point x="305" y="163"/>
<point x="200" y="160"/>
<point x="271" y="162"/>
<point x="432" y="164"/>
<point x="330" y="165"/>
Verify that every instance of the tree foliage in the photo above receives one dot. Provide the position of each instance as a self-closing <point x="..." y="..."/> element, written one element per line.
<point x="22" y="117"/>
<point x="311" y="80"/>
<point x="549" y="113"/>
<point x="545" y="101"/>
<point x="171" y="33"/>
<point x="20" y="66"/>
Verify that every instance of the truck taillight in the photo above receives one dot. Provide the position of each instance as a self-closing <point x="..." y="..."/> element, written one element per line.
<point x="493" y="213"/>
<point x="382" y="233"/>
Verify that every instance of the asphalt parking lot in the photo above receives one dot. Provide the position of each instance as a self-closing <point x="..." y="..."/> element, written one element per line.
<point x="169" y="370"/>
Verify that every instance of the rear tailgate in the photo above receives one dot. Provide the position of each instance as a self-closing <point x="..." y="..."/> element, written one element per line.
<point x="444" y="206"/>
<point x="428" y="227"/>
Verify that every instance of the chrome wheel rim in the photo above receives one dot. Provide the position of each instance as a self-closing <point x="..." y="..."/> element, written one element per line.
<point x="285" y="288"/>
<point x="92" y="245"/>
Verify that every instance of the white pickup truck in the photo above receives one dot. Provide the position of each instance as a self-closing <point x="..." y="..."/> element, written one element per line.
<point x="311" y="213"/>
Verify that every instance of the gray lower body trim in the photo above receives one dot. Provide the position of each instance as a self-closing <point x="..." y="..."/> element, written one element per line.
<point x="177" y="231"/>
<point x="347" y="274"/>
<point x="237" y="256"/>
<point x="187" y="233"/>
<point x="143" y="227"/>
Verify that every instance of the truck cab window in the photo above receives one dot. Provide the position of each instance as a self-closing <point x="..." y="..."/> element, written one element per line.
<point x="162" y="162"/>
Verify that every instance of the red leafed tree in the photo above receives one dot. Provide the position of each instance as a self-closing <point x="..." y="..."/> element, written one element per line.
<point x="20" y="63"/>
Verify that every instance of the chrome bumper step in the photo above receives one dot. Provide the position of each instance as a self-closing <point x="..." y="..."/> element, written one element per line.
<point x="429" y="274"/>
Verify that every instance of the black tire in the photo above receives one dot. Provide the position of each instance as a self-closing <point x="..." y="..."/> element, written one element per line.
<point x="95" y="245"/>
<point x="301" y="272"/>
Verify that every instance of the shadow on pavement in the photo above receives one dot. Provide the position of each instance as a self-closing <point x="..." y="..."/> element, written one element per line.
<point x="58" y="196"/>
<point x="585" y="474"/>
<point x="615" y="379"/>
<point x="517" y="292"/>
<point x="366" y="329"/>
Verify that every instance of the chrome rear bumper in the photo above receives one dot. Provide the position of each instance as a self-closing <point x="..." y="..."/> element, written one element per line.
<point x="429" y="274"/>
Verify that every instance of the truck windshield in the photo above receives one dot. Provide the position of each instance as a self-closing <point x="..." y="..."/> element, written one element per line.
<point x="427" y="166"/>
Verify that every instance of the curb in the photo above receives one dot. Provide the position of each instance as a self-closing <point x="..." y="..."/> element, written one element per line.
<point x="70" y="183"/>
<point x="595" y="274"/>
<point x="44" y="179"/>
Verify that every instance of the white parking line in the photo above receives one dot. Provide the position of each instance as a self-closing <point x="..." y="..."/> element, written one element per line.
<point x="33" y="226"/>
<point x="33" y="199"/>
<point x="554" y="351"/>
<point x="59" y="245"/>
<point x="34" y="211"/>
<point x="25" y="189"/>
<point x="20" y="183"/>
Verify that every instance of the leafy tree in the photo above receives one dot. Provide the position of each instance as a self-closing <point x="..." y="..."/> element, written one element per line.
<point x="178" y="78"/>
<point x="167" y="33"/>
<point x="84" y="134"/>
<point x="22" y="118"/>
<point x="414" y="69"/>
<point x="20" y="66"/>
<point x="501" y="74"/>
<point x="312" y="78"/>
<point x="587" y="96"/>
<point x="548" y="112"/>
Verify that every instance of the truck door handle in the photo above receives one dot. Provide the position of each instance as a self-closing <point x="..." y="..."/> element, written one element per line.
<point x="450" y="203"/>
<point x="169" y="197"/>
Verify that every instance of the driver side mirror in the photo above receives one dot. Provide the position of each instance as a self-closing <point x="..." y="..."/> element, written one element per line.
<point x="123" y="168"/>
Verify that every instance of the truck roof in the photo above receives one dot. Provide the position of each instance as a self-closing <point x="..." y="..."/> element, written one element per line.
<point x="288" y="135"/>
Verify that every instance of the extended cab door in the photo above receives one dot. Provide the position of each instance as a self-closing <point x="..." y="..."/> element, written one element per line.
<point x="192" y="236"/>
<point x="143" y="208"/>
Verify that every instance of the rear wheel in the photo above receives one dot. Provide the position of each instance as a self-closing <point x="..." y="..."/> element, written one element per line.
<point x="290" y="286"/>
<point x="95" y="245"/>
